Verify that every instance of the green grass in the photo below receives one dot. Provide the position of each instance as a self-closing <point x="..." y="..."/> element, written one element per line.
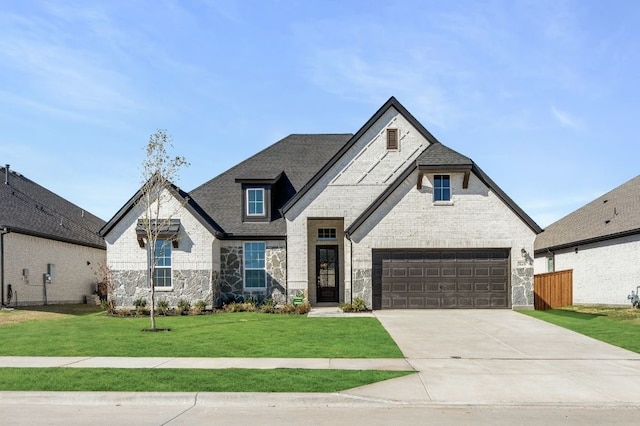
<point x="617" y="326"/>
<point x="218" y="335"/>
<point x="187" y="380"/>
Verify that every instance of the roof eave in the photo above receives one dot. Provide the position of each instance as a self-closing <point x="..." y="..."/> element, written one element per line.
<point x="586" y="241"/>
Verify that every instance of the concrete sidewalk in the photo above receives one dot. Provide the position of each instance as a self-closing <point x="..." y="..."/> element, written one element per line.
<point x="395" y="364"/>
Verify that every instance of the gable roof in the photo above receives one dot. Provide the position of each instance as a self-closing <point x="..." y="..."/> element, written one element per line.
<point x="440" y="157"/>
<point x="28" y="208"/>
<point x="612" y="215"/>
<point x="290" y="162"/>
<point x="391" y="103"/>
<point x="191" y="206"/>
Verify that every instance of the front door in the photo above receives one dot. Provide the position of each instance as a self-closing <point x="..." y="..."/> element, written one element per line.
<point x="327" y="276"/>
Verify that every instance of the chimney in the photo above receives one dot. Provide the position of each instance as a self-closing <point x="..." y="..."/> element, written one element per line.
<point x="6" y="174"/>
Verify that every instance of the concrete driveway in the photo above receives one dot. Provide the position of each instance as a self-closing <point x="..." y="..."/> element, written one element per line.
<point x="503" y="357"/>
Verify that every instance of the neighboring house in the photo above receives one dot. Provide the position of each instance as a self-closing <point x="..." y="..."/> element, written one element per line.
<point x="50" y="250"/>
<point x="600" y="242"/>
<point x="388" y="214"/>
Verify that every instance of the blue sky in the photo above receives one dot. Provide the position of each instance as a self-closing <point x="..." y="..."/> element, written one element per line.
<point x="542" y="95"/>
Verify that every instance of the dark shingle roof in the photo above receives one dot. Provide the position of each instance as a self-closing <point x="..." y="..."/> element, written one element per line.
<point x="300" y="157"/>
<point x="28" y="208"/>
<point x="437" y="155"/>
<point x="614" y="214"/>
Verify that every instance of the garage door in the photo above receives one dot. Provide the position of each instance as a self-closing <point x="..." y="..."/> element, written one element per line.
<point x="440" y="279"/>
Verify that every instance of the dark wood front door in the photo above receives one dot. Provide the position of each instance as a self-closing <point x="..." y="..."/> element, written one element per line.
<point x="327" y="276"/>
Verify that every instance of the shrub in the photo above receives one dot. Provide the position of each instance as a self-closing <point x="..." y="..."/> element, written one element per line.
<point x="199" y="307"/>
<point x="163" y="307"/>
<point x="183" y="306"/>
<point x="358" y="305"/>
<point x="240" y="307"/>
<point x="303" y="308"/>
<point x="287" y="308"/>
<point x="268" y="306"/>
<point x="140" y="303"/>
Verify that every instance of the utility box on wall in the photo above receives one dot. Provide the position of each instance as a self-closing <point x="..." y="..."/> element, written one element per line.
<point x="50" y="270"/>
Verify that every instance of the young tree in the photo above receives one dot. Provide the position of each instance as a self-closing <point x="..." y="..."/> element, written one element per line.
<point x="159" y="170"/>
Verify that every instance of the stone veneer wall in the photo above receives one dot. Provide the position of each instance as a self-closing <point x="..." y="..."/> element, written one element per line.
<point x="230" y="284"/>
<point x="522" y="285"/>
<point x="362" y="285"/>
<point x="191" y="285"/>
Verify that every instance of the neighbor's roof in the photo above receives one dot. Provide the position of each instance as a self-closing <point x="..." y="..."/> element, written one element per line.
<point x="28" y="208"/>
<point x="613" y="215"/>
<point x="298" y="157"/>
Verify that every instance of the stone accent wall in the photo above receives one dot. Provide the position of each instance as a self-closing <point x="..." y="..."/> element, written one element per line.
<point x="522" y="286"/>
<point x="362" y="285"/>
<point x="230" y="284"/>
<point x="191" y="285"/>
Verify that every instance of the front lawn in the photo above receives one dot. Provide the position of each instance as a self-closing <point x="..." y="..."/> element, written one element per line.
<point x="617" y="326"/>
<point x="188" y="380"/>
<point x="218" y="335"/>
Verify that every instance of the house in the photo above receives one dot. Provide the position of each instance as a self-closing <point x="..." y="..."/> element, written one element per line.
<point x="388" y="214"/>
<point x="50" y="250"/>
<point x="600" y="242"/>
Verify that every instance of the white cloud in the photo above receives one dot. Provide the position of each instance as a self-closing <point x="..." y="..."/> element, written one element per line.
<point x="565" y="119"/>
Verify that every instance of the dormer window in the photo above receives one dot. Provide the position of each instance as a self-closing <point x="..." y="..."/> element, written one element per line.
<point x="441" y="188"/>
<point x="257" y="197"/>
<point x="255" y="202"/>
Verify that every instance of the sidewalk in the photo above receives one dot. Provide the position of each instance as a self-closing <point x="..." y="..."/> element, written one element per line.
<point x="393" y="364"/>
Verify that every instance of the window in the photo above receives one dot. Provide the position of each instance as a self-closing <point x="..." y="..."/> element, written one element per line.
<point x="162" y="271"/>
<point x="441" y="188"/>
<point x="392" y="139"/>
<point x="255" y="202"/>
<point x="326" y="233"/>
<point x="550" y="264"/>
<point x="255" y="274"/>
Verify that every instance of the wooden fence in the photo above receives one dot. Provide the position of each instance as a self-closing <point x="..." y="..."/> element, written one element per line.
<point x="553" y="290"/>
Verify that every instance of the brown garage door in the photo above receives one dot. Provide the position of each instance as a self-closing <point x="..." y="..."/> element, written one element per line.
<point x="440" y="279"/>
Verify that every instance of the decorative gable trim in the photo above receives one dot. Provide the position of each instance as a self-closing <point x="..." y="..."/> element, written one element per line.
<point x="391" y="103"/>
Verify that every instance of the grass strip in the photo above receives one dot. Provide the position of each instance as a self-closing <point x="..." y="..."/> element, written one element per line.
<point x="618" y="327"/>
<point x="252" y="335"/>
<point x="188" y="380"/>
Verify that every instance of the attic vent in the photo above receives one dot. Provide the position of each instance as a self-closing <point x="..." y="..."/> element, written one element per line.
<point x="392" y="139"/>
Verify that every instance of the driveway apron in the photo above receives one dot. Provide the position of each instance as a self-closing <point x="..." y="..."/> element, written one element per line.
<point x="503" y="357"/>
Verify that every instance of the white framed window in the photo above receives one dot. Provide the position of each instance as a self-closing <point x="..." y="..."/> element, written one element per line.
<point x="441" y="188"/>
<point x="162" y="271"/>
<point x="550" y="263"/>
<point x="255" y="273"/>
<point x="327" y="233"/>
<point x="255" y="202"/>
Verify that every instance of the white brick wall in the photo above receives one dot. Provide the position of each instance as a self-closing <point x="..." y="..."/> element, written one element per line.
<point x="196" y="246"/>
<point x="74" y="271"/>
<point x="603" y="273"/>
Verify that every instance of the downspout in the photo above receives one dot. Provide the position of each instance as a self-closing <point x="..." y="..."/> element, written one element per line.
<point x="350" y="265"/>
<point x="3" y="231"/>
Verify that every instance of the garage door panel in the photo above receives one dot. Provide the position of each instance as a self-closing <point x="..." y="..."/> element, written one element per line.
<point x="440" y="279"/>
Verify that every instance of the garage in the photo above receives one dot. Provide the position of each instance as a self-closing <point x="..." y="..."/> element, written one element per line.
<point x="441" y="279"/>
